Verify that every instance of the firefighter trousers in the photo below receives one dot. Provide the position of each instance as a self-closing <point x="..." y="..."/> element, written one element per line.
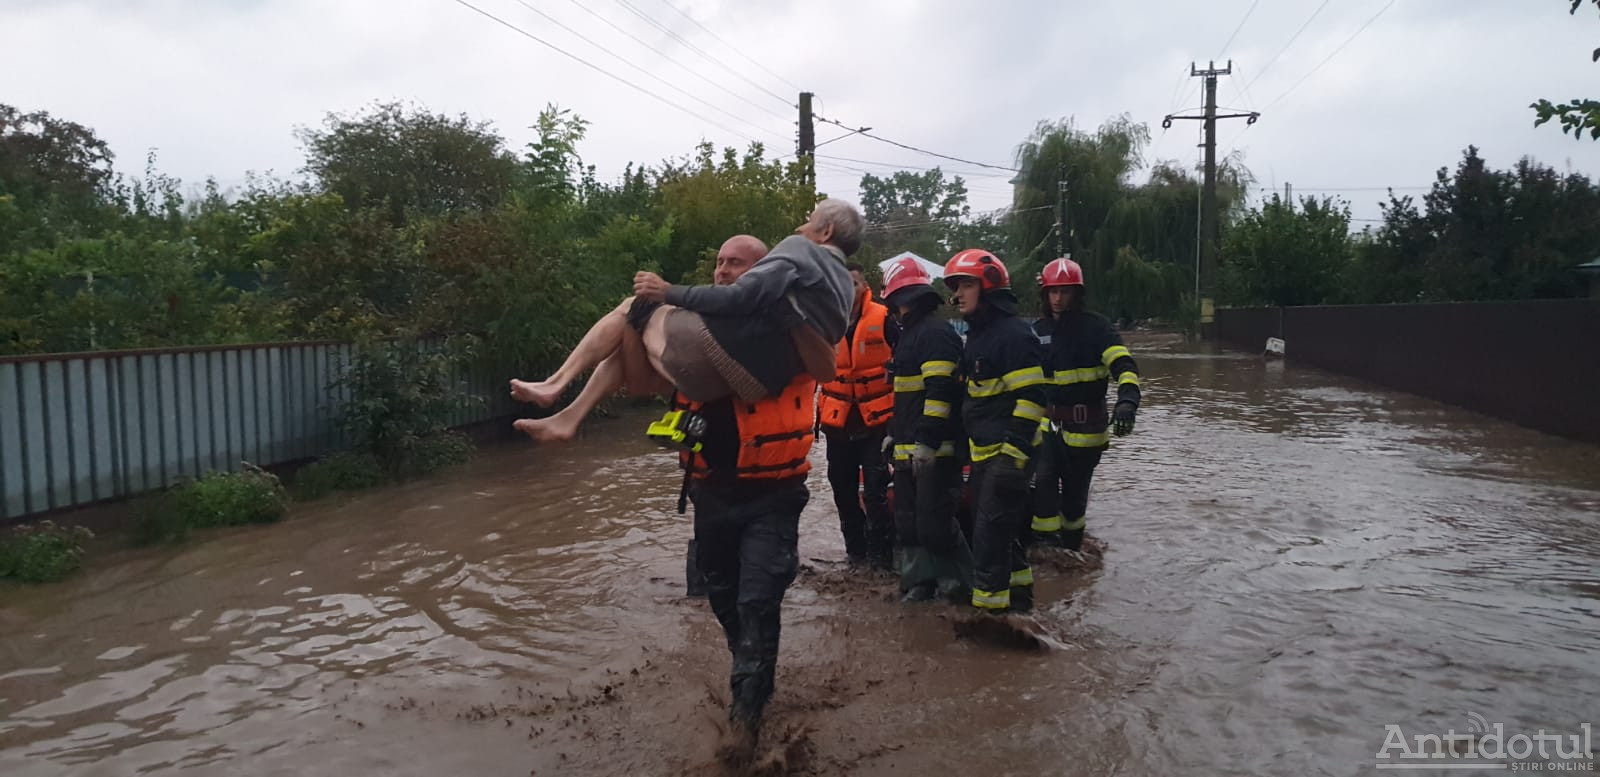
<point x="1061" y="492"/>
<point x="1002" y="579"/>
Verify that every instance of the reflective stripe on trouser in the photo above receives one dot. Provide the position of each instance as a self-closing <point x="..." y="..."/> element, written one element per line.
<point x="1061" y="485"/>
<point x="1000" y="511"/>
<point x="925" y="519"/>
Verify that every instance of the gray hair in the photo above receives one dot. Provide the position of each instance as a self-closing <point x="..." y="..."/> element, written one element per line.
<point x="848" y="225"/>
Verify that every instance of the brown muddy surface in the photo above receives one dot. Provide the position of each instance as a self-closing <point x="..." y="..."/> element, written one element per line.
<point x="1291" y="561"/>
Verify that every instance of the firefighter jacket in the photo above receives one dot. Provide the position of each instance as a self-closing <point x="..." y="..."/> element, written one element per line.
<point x="1005" y="393"/>
<point x="927" y="394"/>
<point x="1083" y="353"/>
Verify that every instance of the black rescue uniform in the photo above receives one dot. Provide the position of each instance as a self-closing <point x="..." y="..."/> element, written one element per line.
<point x="1083" y="353"/>
<point x="932" y="553"/>
<point x="1005" y="396"/>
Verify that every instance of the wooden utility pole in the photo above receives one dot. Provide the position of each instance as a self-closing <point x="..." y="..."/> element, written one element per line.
<point x="1210" y="226"/>
<point x="808" y="139"/>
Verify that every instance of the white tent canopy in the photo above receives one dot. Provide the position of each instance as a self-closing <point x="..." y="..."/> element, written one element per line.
<point x="935" y="271"/>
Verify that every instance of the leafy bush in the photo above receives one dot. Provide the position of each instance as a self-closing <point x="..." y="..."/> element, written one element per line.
<point x="42" y="553"/>
<point x="219" y="499"/>
<point x="343" y="471"/>
<point x="402" y="396"/>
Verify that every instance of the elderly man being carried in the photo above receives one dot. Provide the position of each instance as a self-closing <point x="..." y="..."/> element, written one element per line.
<point x="748" y="340"/>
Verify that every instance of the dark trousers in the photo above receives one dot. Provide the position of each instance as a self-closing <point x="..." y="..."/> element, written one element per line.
<point x="860" y="481"/>
<point x="933" y="550"/>
<point x="1002" y="578"/>
<point x="746" y="541"/>
<point x="1061" y="491"/>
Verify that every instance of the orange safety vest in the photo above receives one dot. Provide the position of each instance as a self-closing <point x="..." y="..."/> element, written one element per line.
<point x="775" y="434"/>
<point x="862" y="366"/>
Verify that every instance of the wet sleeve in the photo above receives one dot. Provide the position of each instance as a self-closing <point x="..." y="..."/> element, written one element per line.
<point x="760" y="286"/>
<point x="1025" y="382"/>
<point x="1124" y="372"/>
<point x="941" y="390"/>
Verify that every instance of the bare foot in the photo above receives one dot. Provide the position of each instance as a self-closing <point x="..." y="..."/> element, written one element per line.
<point x="542" y="393"/>
<point x="552" y="429"/>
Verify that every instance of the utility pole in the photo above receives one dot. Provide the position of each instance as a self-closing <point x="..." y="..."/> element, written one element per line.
<point x="808" y="140"/>
<point x="1210" y="227"/>
<point x="1061" y="210"/>
<point x="1288" y="195"/>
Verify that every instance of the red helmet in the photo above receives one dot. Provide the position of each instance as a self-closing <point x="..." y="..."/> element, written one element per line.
<point x="904" y="274"/>
<point x="980" y="264"/>
<point x="1061" y="272"/>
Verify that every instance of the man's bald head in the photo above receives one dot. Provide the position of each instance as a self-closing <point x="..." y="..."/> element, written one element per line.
<point x="737" y="254"/>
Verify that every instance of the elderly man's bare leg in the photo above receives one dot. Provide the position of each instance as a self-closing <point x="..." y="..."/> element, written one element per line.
<point x="602" y="340"/>
<point x="632" y="365"/>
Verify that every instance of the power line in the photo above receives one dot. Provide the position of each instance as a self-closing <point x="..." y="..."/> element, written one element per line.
<point x="696" y="49"/>
<point x="625" y="61"/>
<point x="864" y="133"/>
<point x="1236" y="30"/>
<point x="912" y="167"/>
<point x="668" y="57"/>
<point x="1335" y="53"/>
<point x="1292" y="39"/>
<point x="732" y="47"/>
<point x="601" y="70"/>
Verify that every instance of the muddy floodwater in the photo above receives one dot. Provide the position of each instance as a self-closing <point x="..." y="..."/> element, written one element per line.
<point x="1293" y="561"/>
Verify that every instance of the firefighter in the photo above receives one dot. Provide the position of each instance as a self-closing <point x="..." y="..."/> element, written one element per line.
<point x="932" y="555"/>
<point x="853" y="412"/>
<point x="745" y="466"/>
<point x="1082" y="354"/>
<point x="1004" y="403"/>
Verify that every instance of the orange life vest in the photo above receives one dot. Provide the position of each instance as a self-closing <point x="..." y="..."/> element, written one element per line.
<point x="775" y="434"/>
<point x="862" y="365"/>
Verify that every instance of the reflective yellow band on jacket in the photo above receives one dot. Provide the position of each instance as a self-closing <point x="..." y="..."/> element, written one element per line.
<point x="986" y="452"/>
<point x="1080" y="375"/>
<point x="947" y="449"/>
<point x="1128" y="377"/>
<point x="935" y="408"/>
<point x="1025" y="377"/>
<point x="938" y="369"/>
<point x="904" y="383"/>
<point x="1011" y="381"/>
<point x="991" y="600"/>
<point x="1114" y="353"/>
<point x="1047" y="523"/>
<point x="1031" y="411"/>
<point x="1075" y="524"/>
<point x="1023" y="576"/>
<point x="1096" y="440"/>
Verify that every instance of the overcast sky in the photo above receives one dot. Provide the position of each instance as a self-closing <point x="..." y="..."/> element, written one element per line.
<point x="217" y="87"/>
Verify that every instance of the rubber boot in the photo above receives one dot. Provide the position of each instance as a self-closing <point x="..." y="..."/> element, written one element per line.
<point x="1021" y="598"/>
<point x="1072" y="539"/>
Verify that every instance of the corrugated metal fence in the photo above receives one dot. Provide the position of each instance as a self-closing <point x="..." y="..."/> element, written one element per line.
<point x="79" y="428"/>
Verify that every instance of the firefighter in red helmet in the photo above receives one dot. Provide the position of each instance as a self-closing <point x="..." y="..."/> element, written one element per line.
<point x="1001" y="412"/>
<point x="1083" y="353"/>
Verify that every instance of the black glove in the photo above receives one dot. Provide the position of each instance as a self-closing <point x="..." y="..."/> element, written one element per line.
<point x="1122" y="418"/>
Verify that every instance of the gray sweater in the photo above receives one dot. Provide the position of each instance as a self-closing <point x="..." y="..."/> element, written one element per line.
<point x="798" y="282"/>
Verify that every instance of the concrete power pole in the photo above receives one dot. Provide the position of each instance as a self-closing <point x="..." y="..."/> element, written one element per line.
<point x="808" y="140"/>
<point x="1210" y="225"/>
<point x="1061" y="211"/>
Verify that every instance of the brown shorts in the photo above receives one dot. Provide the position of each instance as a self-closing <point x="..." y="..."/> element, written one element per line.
<point x="689" y="357"/>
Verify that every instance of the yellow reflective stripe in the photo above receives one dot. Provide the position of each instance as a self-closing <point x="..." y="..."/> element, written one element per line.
<point x="1047" y="523"/>
<point x="983" y="452"/>
<point x="991" y="600"/>
<point x="904" y="383"/>
<point x="1076" y="524"/>
<point x="938" y="369"/>
<point x="1128" y="377"/>
<point x="935" y="408"/>
<point x="1015" y="453"/>
<point x="1023" y="576"/>
<point x="905" y="449"/>
<point x="947" y="449"/>
<point x="991" y="388"/>
<point x="1025" y="377"/>
<point x="1080" y="375"/>
<point x="1096" y="440"/>
<point x="1031" y="411"/>
<point x="1114" y="353"/>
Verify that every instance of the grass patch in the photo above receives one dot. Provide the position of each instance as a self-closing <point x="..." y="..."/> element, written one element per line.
<point x="42" y="552"/>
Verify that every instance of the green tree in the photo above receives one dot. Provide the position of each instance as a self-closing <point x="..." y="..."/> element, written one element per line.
<point x="713" y="196"/>
<point x="405" y="160"/>
<point x="1280" y="255"/>
<point x="912" y="211"/>
<point x="1579" y="115"/>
